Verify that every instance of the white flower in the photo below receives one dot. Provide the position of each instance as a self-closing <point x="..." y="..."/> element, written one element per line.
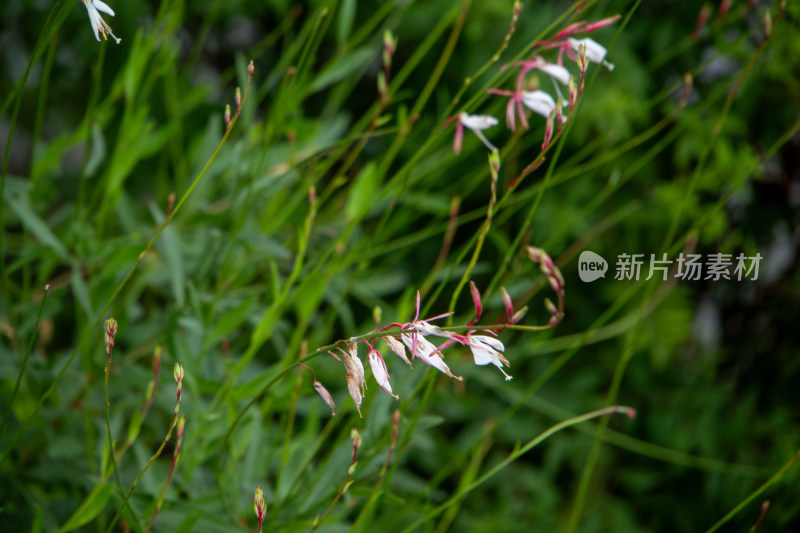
<point x="595" y="52"/>
<point x="488" y="350"/>
<point x="379" y="371"/>
<point x="99" y="26"/>
<point x="421" y="347"/>
<point x="539" y="102"/>
<point x="426" y="328"/>
<point x="476" y="123"/>
<point x="556" y="72"/>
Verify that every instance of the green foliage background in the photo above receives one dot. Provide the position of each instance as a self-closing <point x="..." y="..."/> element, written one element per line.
<point x="248" y="276"/>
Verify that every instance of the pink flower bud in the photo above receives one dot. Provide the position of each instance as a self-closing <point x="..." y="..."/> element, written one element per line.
<point x="259" y="506"/>
<point x="548" y="132"/>
<point x="476" y="299"/>
<point x="110" y="327"/>
<point x="508" y="303"/>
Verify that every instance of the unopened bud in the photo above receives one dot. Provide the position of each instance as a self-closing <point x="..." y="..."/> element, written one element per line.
<point x="724" y="7"/>
<point x="238" y="98"/>
<point x="476" y="299"/>
<point x="551" y="308"/>
<point x="548" y="132"/>
<point x="519" y="315"/>
<point x="227" y="115"/>
<point x="356" y="438"/>
<point x="251" y="68"/>
<point x="687" y="88"/>
<point x="259" y="505"/>
<point x="702" y="20"/>
<point x="508" y="303"/>
<point x="177" y="373"/>
<point x="536" y="254"/>
<point x="582" y="61"/>
<point x="389" y="42"/>
<point x="110" y="326"/>
<point x="573" y="94"/>
<point x="560" y="112"/>
<point x="382" y="84"/>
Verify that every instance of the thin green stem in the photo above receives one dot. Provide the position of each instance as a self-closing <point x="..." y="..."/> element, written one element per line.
<point x="517" y="453"/>
<point x="147" y="466"/>
<point x="111" y="448"/>
<point x="755" y="494"/>
<point x="25" y="358"/>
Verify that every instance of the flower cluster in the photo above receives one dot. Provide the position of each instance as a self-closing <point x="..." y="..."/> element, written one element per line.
<point x="410" y="341"/>
<point x="582" y="51"/>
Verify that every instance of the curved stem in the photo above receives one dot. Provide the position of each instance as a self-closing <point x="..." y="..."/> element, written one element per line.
<point x="518" y="452"/>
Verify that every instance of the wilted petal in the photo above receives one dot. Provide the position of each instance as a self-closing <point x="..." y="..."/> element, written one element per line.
<point x="379" y="371"/>
<point x="397" y="347"/>
<point x="325" y="395"/>
<point x="354" y="390"/>
<point x="355" y="365"/>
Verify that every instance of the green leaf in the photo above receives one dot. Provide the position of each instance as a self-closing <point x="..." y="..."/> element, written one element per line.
<point x="344" y="24"/>
<point x="343" y="67"/>
<point x="22" y="208"/>
<point x="358" y="202"/>
<point x="97" y="152"/>
<point x="309" y="294"/>
<point x="231" y="320"/>
<point x="81" y="291"/>
<point x="134" y="426"/>
<point x="90" y="508"/>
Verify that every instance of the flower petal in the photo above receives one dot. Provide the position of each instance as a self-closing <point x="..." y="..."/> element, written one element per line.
<point x="539" y="102"/>
<point x="102" y="6"/>
<point x="477" y="122"/>
<point x="556" y="71"/>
